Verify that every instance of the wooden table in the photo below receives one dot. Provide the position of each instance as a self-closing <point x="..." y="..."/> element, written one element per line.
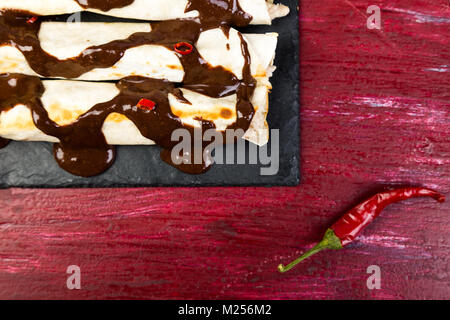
<point x="375" y="112"/>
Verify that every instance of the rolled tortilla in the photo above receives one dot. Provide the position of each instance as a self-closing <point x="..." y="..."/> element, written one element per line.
<point x="262" y="11"/>
<point x="66" y="100"/>
<point x="65" y="40"/>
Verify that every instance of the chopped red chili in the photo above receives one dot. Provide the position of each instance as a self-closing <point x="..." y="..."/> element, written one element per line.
<point x="146" y="104"/>
<point x="350" y="225"/>
<point x="183" y="48"/>
<point x="32" y="19"/>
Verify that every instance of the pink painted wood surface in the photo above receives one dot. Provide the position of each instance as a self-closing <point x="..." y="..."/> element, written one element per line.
<point x="375" y="112"/>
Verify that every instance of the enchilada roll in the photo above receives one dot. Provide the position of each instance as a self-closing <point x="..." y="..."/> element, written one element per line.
<point x="111" y="51"/>
<point x="248" y="11"/>
<point x="65" y="101"/>
<point x="85" y="120"/>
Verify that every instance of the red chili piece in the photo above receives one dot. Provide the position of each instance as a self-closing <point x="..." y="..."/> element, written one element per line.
<point x="183" y="48"/>
<point x="32" y="20"/>
<point x="349" y="226"/>
<point x="146" y="104"/>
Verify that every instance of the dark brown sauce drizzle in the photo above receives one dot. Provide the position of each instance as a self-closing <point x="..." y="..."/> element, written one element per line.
<point x="104" y="5"/>
<point x="83" y="149"/>
<point x="220" y="12"/>
<point x="223" y="12"/>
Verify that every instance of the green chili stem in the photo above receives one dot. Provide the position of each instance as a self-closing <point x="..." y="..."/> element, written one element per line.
<point x="329" y="241"/>
<point x="317" y="248"/>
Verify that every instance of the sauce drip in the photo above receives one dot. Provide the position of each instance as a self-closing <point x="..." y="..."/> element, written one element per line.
<point x="3" y="142"/>
<point x="83" y="149"/>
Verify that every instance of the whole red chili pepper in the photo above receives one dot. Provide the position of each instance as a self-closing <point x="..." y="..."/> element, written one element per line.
<point x="348" y="227"/>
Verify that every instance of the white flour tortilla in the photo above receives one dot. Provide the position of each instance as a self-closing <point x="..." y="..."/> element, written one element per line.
<point x="66" y="100"/>
<point x="262" y="12"/>
<point x="64" y="40"/>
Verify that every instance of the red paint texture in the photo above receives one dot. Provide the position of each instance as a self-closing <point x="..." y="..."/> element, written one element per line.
<point x="375" y="112"/>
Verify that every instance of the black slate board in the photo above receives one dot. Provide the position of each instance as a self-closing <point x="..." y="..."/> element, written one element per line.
<point x="31" y="164"/>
